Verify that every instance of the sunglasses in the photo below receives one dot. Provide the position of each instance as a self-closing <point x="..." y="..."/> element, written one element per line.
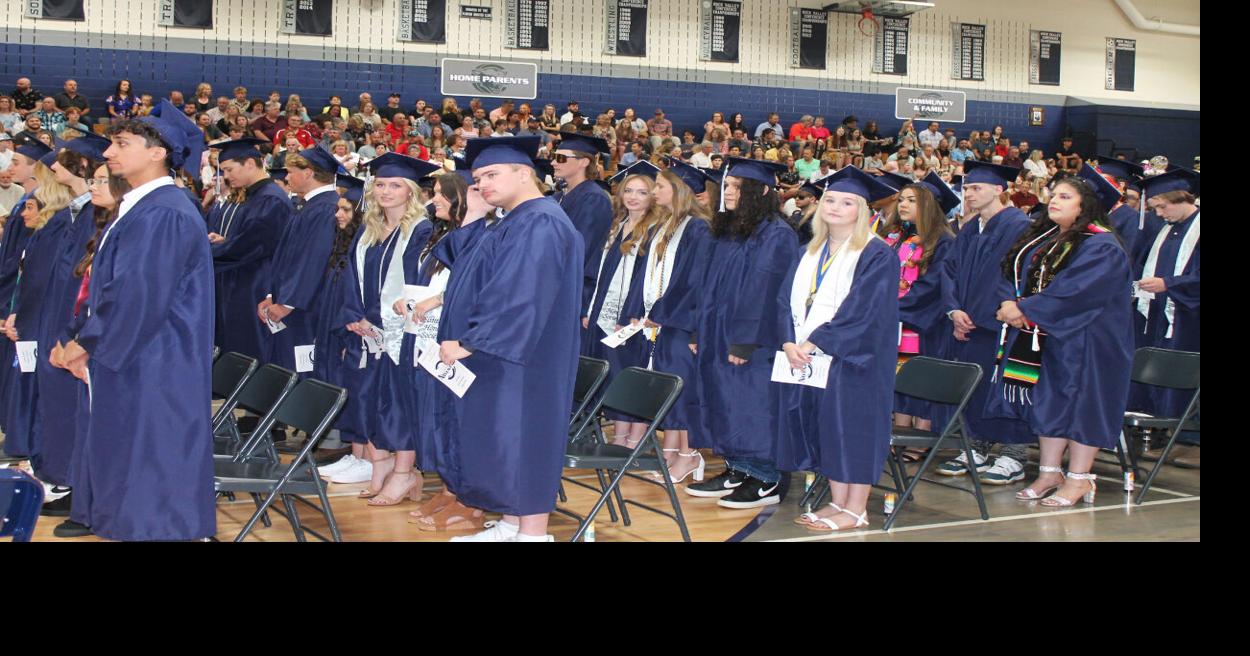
<point x="561" y="158"/>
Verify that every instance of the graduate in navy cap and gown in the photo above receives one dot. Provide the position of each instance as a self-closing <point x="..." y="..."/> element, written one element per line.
<point x="22" y="166"/>
<point x="1066" y="347"/>
<point x="970" y="301"/>
<point x="575" y="162"/>
<point x="840" y="305"/>
<point x="148" y="454"/>
<point x="1124" y="218"/>
<point x="385" y="257"/>
<point x="620" y="261"/>
<point x="57" y="388"/>
<point x="919" y="234"/>
<point x="666" y="299"/>
<point x="510" y="315"/>
<point x="298" y="268"/>
<point x="737" y="335"/>
<point x="1168" y="298"/>
<point x="244" y="229"/>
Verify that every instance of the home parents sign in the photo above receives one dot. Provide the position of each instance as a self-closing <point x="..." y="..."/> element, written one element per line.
<point x="930" y="105"/>
<point x="491" y="79"/>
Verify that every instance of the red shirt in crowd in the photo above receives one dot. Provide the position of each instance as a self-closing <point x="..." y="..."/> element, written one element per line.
<point x="800" y="132"/>
<point x="420" y="152"/>
<point x="305" y="137"/>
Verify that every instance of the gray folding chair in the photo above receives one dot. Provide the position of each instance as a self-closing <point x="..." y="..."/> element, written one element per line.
<point x="231" y="372"/>
<point x="647" y="395"/>
<point x="591" y="372"/>
<point x="1178" y="370"/>
<point x="311" y="407"/>
<point x="936" y="381"/>
<point x="261" y="397"/>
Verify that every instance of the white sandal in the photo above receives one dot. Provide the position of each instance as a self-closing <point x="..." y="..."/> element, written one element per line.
<point x="1027" y="494"/>
<point x="809" y="518"/>
<point x="861" y="521"/>
<point x="1056" y="501"/>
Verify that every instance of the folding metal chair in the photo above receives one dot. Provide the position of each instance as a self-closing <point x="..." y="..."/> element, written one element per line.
<point x="230" y="373"/>
<point x="647" y="395"/>
<point x="311" y="407"/>
<point x="260" y="396"/>
<point x="1178" y="370"/>
<point x="935" y="381"/>
<point x="21" y="497"/>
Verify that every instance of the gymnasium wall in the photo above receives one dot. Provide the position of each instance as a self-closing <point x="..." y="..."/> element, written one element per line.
<point x="121" y="39"/>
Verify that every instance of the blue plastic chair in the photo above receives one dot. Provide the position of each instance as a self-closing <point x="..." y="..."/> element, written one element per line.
<point x="21" y="497"/>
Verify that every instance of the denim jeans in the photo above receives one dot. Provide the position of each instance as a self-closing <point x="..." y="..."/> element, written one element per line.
<point x="1018" y="452"/>
<point x="764" y="470"/>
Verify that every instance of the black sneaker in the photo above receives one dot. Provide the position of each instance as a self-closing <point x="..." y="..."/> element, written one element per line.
<point x="71" y="529"/>
<point x="753" y="493"/>
<point x="57" y="508"/>
<point x="727" y="482"/>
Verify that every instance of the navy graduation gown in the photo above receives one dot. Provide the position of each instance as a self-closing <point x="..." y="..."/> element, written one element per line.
<point x="383" y="388"/>
<point x="921" y="310"/>
<point x="677" y="314"/>
<point x="1185" y="292"/>
<point x="1125" y="219"/>
<point x="843" y="431"/>
<point x="513" y="300"/>
<point x="38" y="262"/>
<point x="977" y="286"/>
<point x="1082" y="387"/>
<point x="242" y="263"/>
<point x="632" y="353"/>
<point x="737" y="310"/>
<point x="148" y="456"/>
<point x="1145" y="239"/>
<point x="14" y="240"/>
<point x="58" y="389"/>
<point x="589" y="207"/>
<point x="337" y="352"/>
<point x="298" y="273"/>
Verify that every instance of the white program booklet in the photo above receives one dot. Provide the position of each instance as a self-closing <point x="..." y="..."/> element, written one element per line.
<point x="814" y="374"/>
<point x="27" y="356"/>
<point x="457" y="377"/>
<point x="621" y="336"/>
<point x="304" y="358"/>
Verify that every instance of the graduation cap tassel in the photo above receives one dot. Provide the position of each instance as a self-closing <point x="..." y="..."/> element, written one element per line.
<point x="722" y="189"/>
<point x="1141" y="212"/>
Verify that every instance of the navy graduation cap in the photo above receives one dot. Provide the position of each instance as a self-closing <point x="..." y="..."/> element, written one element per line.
<point x="34" y="150"/>
<point x="49" y="158"/>
<point x="851" y="180"/>
<point x="278" y="173"/>
<point x="184" y="139"/>
<point x="1120" y="169"/>
<point x="715" y="175"/>
<point x="894" y="180"/>
<point x="91" y="146"/>
<point x="485" y="152"/>
<point x="1178" y="180"/>
<point x="641" y="167"/>
<point x="582" y="143"/>
<point x="353" y="188"/>
<point x="946" y="197"/>
<point x="1107" y="192"/>
<point x="394" y="165"/>
<point x="238" y="149"/>
<point x="762" y="171"/>
<point x="322" y="159"/>
<point x="693" y="177"/>
<point x="976" y="172"/>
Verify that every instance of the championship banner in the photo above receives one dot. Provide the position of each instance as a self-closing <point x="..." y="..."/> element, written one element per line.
<point x="809" y="37"/>
<point x="1045" y="52"/>
<point x="720" y="23"/>
<point x="890" y="54"/>
<point x="627" y="28"/>
<point x="1121" y="64"/>
<point x="423" y="21"/>
<point x="968" y="52"/>
<point x="58" y="9"/>
<point x="185" y="13"/>
<point x="307" y="17"/>
<point x="527" y="23"/>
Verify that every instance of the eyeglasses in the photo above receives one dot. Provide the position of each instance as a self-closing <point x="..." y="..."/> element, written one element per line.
<point x="561" y="158"/>
<point x="97" y="182"/>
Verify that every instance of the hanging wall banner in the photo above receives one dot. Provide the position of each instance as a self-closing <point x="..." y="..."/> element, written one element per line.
<point x="1045" y="55"/>
<point x="476" y="12"/>
<point x="423" y="21"/>
<point x="809" y="37"/>
<point x="890" y="54"/>
<point x="968" y="51"/>
<point x="720" y="23"/>
<point x="492" y="79"/>
<point x="627" y="28"/>
<point x="930" y="105"/>
<point x="185" y="13"/>
<point x="526" y="24"/>
<point x="59" y="9"/>
<point x="1121" y="64"/>
<point x="312" y="17"/>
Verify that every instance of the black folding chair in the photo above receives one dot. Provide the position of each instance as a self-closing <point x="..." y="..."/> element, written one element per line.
<point x="591" y="372"/>
<point x="311" y="407"/>
<point x="231" y="372"/>
<point x="1178" y="370"/>
<point x="261" y="397"/>
<point x="936" y="381"/>
<point x="647" y="395"/>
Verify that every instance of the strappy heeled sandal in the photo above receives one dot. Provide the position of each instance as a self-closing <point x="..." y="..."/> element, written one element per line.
<point x="454" y="517"/>
<point x="827" y="525"/>
<point x="1056" y="501"/>
<point x="370" y="493"/>
<point x="809" y="518"/>
<point x="435" y="504"/>
<point x="1027" y="494"/>
<point x="413" y="491"/>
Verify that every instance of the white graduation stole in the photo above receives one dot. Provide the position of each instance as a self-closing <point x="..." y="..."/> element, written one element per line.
<point x="618" y="287"/>
<point x="829" y="296"/>
<point x="391" y="285"/>
<point x="659" y="273"/>
<point x="1188" y="243"/>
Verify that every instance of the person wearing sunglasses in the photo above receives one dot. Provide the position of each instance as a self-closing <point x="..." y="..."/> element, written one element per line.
<point x="575" y="162"/>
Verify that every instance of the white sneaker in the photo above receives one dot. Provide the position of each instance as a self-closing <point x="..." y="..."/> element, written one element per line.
<point x="533" y="538"/>
<point x="499" y="531"/>
<point x="53" y="492"/>
<point x="337" y="466"/>
<point x="1006" y="470"/>
<point x="359" y="471"/>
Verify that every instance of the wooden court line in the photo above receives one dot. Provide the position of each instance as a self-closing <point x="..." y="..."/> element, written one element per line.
<point x="972" y="522"/>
